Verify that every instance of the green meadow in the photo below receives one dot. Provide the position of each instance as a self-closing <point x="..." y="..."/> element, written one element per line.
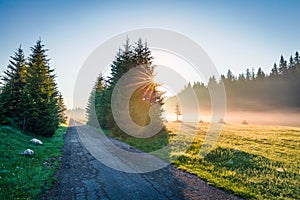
<point x="255" y="162"/>
<point x="23" y="177"/>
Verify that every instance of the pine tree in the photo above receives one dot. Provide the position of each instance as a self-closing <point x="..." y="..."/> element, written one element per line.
<point x="297" y="62"/>
<point x="241" y="77"/>
<point x="212" y="82"/>
<point x="96" y="109"/>
<point x="274" y="71"/>
<point x="230" y="75"/>
<point x="13" y="90"/>
<point x="141" y="100"/>
<point x="122" y="63"/>
<point x="43" y="113"/>
<point x="142" y="54"/>
<point x="248" y="75"/>
<point x="252" y="74"/>
<point x="90" y="109"/>
<point x="61" y="109"/>
<point x="282" y="66"/>
<point x="297" y="58"/>
<point x="29" y="97"/>
<point x="291" y="63"/>
<point x="260" y="74"/>
<point x="147" y="94"/>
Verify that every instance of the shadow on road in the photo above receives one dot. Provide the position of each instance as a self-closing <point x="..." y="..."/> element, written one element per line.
<point x="83" y="176"/>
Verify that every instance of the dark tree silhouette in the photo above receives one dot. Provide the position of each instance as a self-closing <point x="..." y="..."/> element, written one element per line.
<point x="253" y="91"/>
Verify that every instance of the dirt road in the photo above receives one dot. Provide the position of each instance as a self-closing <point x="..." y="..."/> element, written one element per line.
<point x="82" y="176"/>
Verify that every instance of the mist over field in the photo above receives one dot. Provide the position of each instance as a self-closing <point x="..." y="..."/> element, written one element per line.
<point x="256" y="97"/>
<point x="276" y="117"/>
<point x="284" y="118"/>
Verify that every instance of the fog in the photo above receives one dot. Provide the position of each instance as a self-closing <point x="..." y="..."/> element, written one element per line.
<point x="287" y="117"/>
<point x="283" y="118"/>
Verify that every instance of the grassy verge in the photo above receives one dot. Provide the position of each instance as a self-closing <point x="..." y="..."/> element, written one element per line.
<point x="25" y="177"/>
<point x="144" y="144"/>
<point x="254" y="162"/>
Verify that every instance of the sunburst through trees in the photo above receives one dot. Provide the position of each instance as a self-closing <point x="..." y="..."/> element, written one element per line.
<point x="145" y="95"/>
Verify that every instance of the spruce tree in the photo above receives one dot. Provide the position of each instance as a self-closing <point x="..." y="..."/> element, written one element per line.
<point x="90" y="109"/>
<point x="297" y="62"/>
<point x="297" y="58"/>
<point x="61" y="109"/>
<point x="147" y="95"/>
<point x="123" y="63"/>
<point x="212" y="82"/>
<point x="241" y="77"/>
<point x="29" y="97"/>
<point x="230" y="75"/>
<point x="95" y="109"/>
<point x="42" y="103"/>
<point x="274" y="71"/>
<point x="282" y="66"/>
<point x="248" y="75"/>
<point x="252" y="74"/>
<point x="141" y="100"/>
<point x="291" y="63"/>
<point x="260" y="74"/>
<point x="13" y="90"/>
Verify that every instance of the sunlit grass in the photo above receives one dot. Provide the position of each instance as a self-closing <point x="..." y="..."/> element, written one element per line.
<point x="25" y="177"/>
<point x="255" y="162"/>
<point x="261" y="162"/>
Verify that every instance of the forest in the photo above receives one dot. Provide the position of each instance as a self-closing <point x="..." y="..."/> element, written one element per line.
<point x="252" y="90"/>
<point x="29" y="98"/>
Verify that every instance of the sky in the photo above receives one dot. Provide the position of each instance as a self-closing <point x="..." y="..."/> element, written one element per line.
<point x="234" y="34"/>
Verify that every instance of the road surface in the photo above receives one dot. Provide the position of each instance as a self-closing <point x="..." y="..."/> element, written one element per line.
<point x="82" y="176"/>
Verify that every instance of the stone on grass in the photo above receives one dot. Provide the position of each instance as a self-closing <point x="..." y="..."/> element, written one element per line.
<point x="28" y="152"/>
<point x="36" y="141"/>
<point x="245" y="122"/>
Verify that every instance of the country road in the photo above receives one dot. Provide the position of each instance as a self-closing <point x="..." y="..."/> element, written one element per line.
<point x="83" y="175"/>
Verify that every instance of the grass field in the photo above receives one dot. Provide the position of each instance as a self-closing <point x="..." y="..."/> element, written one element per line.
<point x="25" y="177"/>
<point x="256" y="162"/>
<point x="253" y="162"/>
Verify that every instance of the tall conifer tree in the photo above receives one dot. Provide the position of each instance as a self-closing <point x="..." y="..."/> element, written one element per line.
<point x="13" y="90"/>
<point x="141" y="100"/>
<point x="42" y="103"/>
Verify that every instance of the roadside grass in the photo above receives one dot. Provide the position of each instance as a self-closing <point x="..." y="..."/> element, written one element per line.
<point x="26" y="177"/>
<point x="150" y="144"/>
<point x="254" y="162"/>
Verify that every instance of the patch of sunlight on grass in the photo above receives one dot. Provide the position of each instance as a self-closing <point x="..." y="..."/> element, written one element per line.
<point x="261" y="162"/>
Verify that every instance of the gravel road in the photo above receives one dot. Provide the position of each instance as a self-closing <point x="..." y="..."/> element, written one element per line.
<point x="82" y="176"/>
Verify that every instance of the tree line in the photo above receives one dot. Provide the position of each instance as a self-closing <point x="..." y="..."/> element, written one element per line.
<point x="252" y="90"/>
<point x="29" y="97"/>
<point x="99" y="110"/>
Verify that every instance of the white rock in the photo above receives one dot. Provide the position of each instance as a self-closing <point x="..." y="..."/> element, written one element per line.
<point x="36" y="141"/>
<point x="28" y="152"/>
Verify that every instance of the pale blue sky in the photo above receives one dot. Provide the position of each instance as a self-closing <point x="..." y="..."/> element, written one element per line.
<point x="235" y="34"/>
